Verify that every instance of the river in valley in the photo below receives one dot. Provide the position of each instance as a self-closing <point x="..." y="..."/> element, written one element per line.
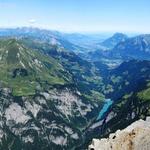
<point x="108" y="103"/>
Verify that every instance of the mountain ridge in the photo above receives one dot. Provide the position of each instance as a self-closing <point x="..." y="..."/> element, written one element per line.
<point x="114" y="40"/>
<point x="133" y="48"/>
<point x="20" y="63"/>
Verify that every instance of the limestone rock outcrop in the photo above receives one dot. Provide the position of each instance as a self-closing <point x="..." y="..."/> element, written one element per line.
<point x="134" y="137"/>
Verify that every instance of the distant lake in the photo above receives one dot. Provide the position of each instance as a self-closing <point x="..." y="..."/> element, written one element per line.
<point x="108" y="103"/>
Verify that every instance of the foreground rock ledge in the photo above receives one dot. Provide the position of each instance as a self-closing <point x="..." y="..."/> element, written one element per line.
<point x="134" y="137"/>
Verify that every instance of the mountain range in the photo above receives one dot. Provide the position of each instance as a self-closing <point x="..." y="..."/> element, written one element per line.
<point x="134" y="48"/>
<point x="53" y="88"/>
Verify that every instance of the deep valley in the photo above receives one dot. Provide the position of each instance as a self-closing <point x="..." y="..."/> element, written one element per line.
<point x="56" y="93"/>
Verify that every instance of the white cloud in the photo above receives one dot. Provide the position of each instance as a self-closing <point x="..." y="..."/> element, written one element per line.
<point x="32" y="21"/>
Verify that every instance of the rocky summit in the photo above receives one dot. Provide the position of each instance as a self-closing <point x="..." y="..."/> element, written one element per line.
<point x="134" y="137"/>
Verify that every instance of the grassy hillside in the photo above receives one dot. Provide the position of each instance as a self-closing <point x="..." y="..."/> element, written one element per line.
<point x="29" y="65"/>
<point x="24" y="69"/>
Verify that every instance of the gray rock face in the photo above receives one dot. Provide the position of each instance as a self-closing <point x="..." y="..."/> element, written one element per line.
<point x="134" y="137"/>
<point x="49" y="118"/>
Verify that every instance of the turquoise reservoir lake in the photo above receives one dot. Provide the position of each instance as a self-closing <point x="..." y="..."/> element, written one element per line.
<point x="108" y="103"/>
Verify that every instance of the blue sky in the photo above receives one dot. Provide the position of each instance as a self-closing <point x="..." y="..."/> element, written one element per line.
<point x="78" y="15"/>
